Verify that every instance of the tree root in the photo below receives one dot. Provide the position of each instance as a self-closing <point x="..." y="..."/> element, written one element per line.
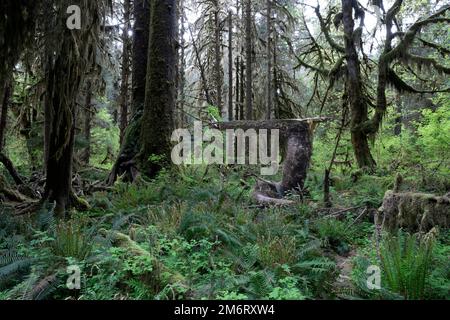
<point x="10" y="194"/>
<point x="79" y="203"/>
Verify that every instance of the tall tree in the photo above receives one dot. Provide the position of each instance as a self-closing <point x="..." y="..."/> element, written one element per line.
<point x="269" y="102"/>
<point x="4" y="112"/>
<point x="125" y="69"/>
<point x="230" y="66"/>
<point x="350" y="60"/>
<point x="125" y="164"/>
<point x="69" y="53"/>
<point x="160" y="92"/>
<point x="354" y="84"/>
<point x="249" y="62"/>
<point x="87" y="124"/>
<point x="218" y="71"/>
<point x="16" y="29"/>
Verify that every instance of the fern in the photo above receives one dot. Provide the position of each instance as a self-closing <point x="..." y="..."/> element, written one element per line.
<point x="405" y="262"/>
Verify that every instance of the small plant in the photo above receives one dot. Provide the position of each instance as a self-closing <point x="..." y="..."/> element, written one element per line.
<point x="70" y="240"/>
<point x="405" y="263"/>
<point x="336" y="234"/>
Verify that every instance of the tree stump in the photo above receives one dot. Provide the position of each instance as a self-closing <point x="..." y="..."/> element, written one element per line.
<point x="296" y="140"/>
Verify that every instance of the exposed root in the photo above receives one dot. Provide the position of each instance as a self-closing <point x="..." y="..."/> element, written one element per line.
<point x="11" y="194"/>
<point x="79" y="203"/>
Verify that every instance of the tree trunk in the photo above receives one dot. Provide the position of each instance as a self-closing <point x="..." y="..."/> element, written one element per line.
<point x="248" y="54"/>
<point x="126" y="163"/>
<point x="230" y="66"/>
<point x="141" y="30"/>
<point x="86" y="155"/>
<point x="275" y="78"/>
<point x="297" y="140"/>
<point x="218" y="71"/>
<point x="5" y="96"/>
<point x="182" y="65"/>
<point x="238" y="89"/>
<point x="65" y="74"/>
<point x="358" y="106"/>
<point x="125" y="71"/>
<point x="160" y="92"/>
<point x="241" y="104"/>
<point x="399" y="117"/>
<point x="269" y="62"/>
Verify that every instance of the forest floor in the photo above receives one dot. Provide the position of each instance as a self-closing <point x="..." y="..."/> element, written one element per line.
<point x="194" y="233"/>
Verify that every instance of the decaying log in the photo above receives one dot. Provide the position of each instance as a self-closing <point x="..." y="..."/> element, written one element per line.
<point x="415" y="212"/>
<point x="296" y="140"/>
<point x="40" y="289"/>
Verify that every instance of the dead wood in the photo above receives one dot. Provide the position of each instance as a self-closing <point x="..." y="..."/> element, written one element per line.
<point x="296" y="140"/>
<point x="415" y="212"/>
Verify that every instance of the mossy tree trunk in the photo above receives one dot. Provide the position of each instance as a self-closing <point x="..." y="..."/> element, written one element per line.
<point x="157" y="121"/>
<point x="125" y="164"/>
<point x="125" y="71"/>
<point x="354" y="90"/>
<point x="5" y="95"/>
<point x="70" y="53"/>
<point x="16" y="29"/>
<point x="86" y="155"/>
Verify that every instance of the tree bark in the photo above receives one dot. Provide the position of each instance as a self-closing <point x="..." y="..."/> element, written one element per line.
<point x="356" y="100"/>
<point x="230" y="66"/>
<point x="242" y="102"/>
<point x="5" y="96"/>
<point x="65" y="74"/>
<point x="10" y="167"/>
<point x="399" y="117"/>
<point x="86" y="155"/>
<point x="182" y="65"/>
<point x="125" y="164"/>
<point x="248" y="54"/>
<point x="238" y="90"/>
<point x="125" y="71"/>
<point x="141" y="10"/>
<point x="218" y="71"/>
<point x="269" y="61"/>
<point x="160" y="92"/>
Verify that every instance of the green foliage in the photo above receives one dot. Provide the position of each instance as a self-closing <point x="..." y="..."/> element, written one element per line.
<point x="71" y="241"/>
<point x="405" y="262"/>
<point x="411" y="268"/>
<point x="214" y="112"/>
<point x="104" y="140"/>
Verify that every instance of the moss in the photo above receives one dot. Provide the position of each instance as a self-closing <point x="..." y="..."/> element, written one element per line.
<point x="414" y="211"/>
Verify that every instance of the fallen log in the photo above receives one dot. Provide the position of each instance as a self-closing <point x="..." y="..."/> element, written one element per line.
<point x="415" y="212"/>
